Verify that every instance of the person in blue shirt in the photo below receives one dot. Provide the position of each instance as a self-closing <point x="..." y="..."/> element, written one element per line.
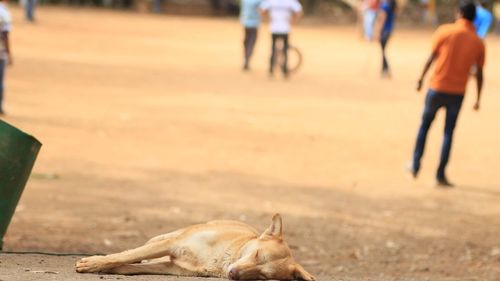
<point x="250" y="19"/>
<point x="483" y="19"/>
<point x="387" y="19"/>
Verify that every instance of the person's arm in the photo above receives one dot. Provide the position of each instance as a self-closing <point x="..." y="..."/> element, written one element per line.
<point x="479" y="78"/>
<point x="426" y="69"/>
<point x="6" y="42"/>
<point x="263" y="13"/>
<point x="297" y="11"/>
<point x="437" y="42"/>
<point x="297" y="16"/>
<point x="264" y="9"/>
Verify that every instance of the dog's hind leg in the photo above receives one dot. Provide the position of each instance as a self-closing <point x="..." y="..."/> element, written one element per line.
<point x="152" y="250"/>
<point x="169" y="235"/>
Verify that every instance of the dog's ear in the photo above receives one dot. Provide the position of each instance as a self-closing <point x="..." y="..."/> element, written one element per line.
<point x="275" y="229"/>
<point x="300" y="273"/>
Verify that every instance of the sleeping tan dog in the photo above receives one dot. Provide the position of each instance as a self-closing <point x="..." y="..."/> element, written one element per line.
<point x="227" y="249"/>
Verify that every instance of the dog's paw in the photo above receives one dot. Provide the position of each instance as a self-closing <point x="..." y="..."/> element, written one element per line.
<point x="91" y="264"/>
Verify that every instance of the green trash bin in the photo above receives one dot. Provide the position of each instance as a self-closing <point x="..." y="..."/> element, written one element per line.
<point x="18" y="152"/>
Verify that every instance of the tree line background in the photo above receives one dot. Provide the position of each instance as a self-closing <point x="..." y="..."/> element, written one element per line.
<point x="340" y="11"/>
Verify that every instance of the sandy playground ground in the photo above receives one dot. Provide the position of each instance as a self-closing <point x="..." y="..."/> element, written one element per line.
<point x="149" y="125"/>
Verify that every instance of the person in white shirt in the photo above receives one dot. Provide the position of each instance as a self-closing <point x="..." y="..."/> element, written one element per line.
<point x="5" y="55"/>
<point x="281" y="14"/>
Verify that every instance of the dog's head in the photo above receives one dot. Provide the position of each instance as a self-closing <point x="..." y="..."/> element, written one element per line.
<point x="268" y="257"/>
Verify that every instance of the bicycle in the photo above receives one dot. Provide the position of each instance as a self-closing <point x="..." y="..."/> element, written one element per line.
<point x="295" y="58"/>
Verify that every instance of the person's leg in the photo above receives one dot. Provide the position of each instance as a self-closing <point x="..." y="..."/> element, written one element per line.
<point x="432" y="103"/>
<point x="425" y="15"/>
<point x="453" y="105"/>
<point x="253" y="40"/>
<point x="157" y="6"/>
<point x="273" y="54"/>
<point x="33" y="9"/>
<point x="250" y="39"/>
<point x="285" y="54"/>
<point x="27" y="9"/>
<point x="368" y="19"/>
<point x="371" y="26"/>
<point x="30" y="9"/>
<point x="2" y="72"/>
<point x="246" y="41"/>
<point x="384" y="38"/>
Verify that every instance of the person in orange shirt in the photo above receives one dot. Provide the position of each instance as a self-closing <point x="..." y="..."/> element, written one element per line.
<point x="455" y="49"/>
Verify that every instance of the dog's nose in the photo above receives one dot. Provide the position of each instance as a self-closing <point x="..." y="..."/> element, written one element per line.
<point x="233" y="274"/>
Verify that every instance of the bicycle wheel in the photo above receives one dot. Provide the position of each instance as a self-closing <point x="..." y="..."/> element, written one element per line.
<point x="294" y="59"/>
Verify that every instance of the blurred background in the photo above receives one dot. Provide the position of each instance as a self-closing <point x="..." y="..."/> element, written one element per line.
<point x="334" y="11"/>
<point x="148" y="124"/>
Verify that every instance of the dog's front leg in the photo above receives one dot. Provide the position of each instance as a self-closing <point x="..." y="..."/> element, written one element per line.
<point x="161" y="267"/>
<point x="101" y="263"/>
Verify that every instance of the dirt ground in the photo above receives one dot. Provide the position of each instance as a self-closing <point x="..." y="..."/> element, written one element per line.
<point x="148" y="124"/>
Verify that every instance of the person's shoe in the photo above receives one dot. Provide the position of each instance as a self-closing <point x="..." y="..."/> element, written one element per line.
<point x="2" y="113"/>
<point x="246" y="67"/>
<point x="444" y="183"/>
<point x="412" y="170"/>
<point x="386" y="74"/>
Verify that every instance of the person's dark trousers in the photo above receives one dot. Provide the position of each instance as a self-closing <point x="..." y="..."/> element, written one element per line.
<point x="384" y="38"/>
<point x="249" y="44"/>
<point x="2" y="74"/>
<point x="433" y="102"/>
<point x="157" y="6"/>
<point x="283" y="37"/>
<point x="30" y="10"/>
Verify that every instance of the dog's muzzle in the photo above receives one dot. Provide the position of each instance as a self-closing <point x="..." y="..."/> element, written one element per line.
<point x="234" y="274"/>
